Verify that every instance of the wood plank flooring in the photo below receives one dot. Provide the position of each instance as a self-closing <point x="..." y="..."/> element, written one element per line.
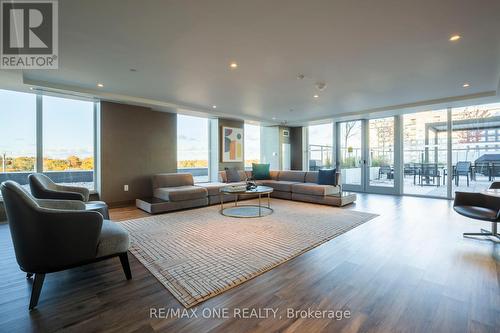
<point x="408" y="270"/>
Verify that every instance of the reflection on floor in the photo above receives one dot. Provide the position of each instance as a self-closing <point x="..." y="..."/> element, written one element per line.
<point x="481" y="183"/>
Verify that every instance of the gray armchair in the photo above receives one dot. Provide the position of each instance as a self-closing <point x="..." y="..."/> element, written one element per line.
<point x="54" y="235"/>
<point x="481" y="207"/>
<point x="42" y="187"/>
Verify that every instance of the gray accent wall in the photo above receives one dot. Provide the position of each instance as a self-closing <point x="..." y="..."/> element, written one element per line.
<point x="136" y="142"/>
<point x="296" y="147"/>
<point x="224" y="122"/>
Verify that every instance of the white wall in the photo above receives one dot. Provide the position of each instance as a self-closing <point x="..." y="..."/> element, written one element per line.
<point x="270" y="147"/>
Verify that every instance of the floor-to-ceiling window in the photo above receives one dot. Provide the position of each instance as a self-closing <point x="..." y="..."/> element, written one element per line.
<point x="193" y="146"/>
<point x="425" y="153"/>
<point x="475" y="147"/>
<point x="64" y="146"/>
<point x="252" y="145"/>
<point x="68" y="140"/>
<point x="320" y="139"/>
<point x="17" y="135"/>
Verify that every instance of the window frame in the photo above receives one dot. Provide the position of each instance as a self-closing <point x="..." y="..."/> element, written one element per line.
<point x="210" y="149"/>
<point x="38" y="167"/>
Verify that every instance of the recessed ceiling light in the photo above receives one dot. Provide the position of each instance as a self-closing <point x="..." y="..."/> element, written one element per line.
<point x="100" y="85"/>
<point x="316" y="96"/>
<point x="233" y="65"/>
<point x="214" y="106"/>
<point x="274" y="118"/>
<point x="31" y="88"/>
<point x="454" y="38"/>
<point x="466" y="85"/>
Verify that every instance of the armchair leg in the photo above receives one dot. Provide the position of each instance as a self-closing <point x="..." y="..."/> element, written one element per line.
<point x="125" y="265"/>
<point x="492" y="233"/>
<point x="36" y="289"/>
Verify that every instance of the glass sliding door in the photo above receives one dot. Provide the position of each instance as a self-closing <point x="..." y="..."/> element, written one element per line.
<point x="475" y="147"/>
<point x="381" y="169"/>
<point x="425" y="139"/>
<point x="350" y="154"/>
<point x="320" y="138"/>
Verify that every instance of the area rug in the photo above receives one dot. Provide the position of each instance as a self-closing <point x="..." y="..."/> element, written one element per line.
<point x="197" y="254"/>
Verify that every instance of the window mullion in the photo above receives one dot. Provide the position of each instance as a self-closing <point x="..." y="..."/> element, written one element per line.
<point x="39" y="133"/>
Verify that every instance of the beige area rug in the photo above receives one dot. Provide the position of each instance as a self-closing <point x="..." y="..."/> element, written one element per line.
<point x="197" y="254"/>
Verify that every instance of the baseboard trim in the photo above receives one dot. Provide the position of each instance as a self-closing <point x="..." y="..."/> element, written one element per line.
<point x="119" y="204"/>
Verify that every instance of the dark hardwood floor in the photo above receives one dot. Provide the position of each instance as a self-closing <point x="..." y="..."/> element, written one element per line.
<point x="408" y="270"/>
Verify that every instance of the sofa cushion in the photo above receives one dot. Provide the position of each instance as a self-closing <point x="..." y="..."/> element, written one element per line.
<point x="214" y="188"/>
<point x="260" y="171"/>
<point x="311" y="177"/>
<point x="112" y="240"/>
<point x="327" y="177"/>
<point x="232" y="175"/>
<point x="478" y="213"/>
<point x="180" y="193"/>
<point x="292" y="176"/>
<point x="314" y="189"/>
<point x="274" y="174"/>
<point x="279" y="185"/>
<point x="172" y="180"/>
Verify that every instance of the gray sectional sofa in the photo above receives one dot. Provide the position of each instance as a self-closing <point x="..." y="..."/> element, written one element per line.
<point x="174" y="191"/>
<point x="177" y="191"/>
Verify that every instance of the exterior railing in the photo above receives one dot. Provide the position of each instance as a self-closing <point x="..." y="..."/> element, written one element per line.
<point x="200" y="175"/>
<point x="86" y="176"/>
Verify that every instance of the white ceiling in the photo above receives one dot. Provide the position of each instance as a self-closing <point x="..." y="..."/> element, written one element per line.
<point x="373" y="55"/>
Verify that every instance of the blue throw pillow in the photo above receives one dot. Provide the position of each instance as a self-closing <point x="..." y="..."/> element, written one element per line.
<point x="327" y="177"/>
<point x="260" y="171"/>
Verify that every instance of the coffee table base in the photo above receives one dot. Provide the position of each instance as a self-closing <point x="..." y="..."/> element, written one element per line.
<point x="247" y="211"/>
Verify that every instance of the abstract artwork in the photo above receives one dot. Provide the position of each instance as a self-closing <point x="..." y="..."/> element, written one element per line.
<point x="232" y="144"/>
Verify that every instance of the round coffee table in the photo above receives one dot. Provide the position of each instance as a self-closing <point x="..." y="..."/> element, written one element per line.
<point x="246" y="210"/>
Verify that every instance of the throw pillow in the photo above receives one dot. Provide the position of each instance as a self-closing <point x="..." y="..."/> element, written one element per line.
<point x="327" y="177"/>
<point x="232" y="175"/>
<point x="260" y="171"/>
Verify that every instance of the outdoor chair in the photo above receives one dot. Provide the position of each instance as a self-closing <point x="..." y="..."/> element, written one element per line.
<point x="462" y="169"/>
<point x="428" y="173"/>
<point x="385" y="170"/>
<point x="495" y="170"/>
<point x="482" y="168"/>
